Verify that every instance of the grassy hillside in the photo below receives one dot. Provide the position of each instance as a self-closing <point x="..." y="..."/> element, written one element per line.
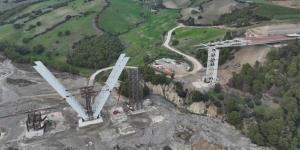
<point x="257" y="11"/>
<point x="144" y="42"/>
<point x="51" y="19"/>
<point x="266" y="8"/>
<point x="122" y="15"/>
<point x="185" y="38"/>
<point x="54" y="24"/>
<point x="57" y="25"/>
<point x="13" y="4"/>
<point x="277" y="12"/>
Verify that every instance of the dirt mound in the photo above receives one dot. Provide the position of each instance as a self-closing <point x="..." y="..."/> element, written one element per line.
<point x="19" y="82"/>
<point x="202" y="144"/>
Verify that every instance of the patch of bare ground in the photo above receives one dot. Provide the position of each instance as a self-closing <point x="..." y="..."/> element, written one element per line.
<point x="98" y="31"/>
<point x="213" y="10"/>
<point x="287" y="3"/>
<point x="275" y="29"/>
<point x="201" y="11"/>
<point x="176" y="4"/>
<point x="203" y="145"/>
<point x="245" y="55"/>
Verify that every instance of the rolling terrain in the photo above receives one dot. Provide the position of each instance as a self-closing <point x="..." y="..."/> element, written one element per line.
<point x="57" y="25"/>
<point x="257" y="94"/>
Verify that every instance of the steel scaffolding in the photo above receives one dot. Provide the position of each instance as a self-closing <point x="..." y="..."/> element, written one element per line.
<point x="135" y="89"/>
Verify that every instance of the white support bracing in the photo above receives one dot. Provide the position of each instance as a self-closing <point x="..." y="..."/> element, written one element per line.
<point x="211" y="75"/>
<point x="212" y="65"/>
<point x="50" y="78"/>
<point x="227" y="43"/>
<point x="110" y="83"/>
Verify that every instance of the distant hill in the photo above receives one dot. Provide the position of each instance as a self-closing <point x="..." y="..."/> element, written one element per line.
<point x="9" y="4"/>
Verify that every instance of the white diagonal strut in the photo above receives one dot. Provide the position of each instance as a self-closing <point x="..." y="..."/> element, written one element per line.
<point x="60" y="89"/>
<point x="110" y="83"/>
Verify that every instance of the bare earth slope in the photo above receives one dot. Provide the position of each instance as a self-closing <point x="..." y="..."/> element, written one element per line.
<point x="283" y="28"/>
<point x="287" y="3"/>
<point x="15" y="99"/>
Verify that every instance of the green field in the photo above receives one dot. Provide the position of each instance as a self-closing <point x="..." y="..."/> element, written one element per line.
<point x="277" y="12"/>
<point x="142" y="42"/>
<point x="146" y="39"/>
<point x="80" y="25"/>
<point x="38" y="6"/>
<point x="121" y="16"/>
<point x="188" y="37"/>
<point x="74" y="8"/>
<point x="266" y="8"/>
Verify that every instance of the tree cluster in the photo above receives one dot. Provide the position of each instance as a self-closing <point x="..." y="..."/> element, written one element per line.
<point x="280" y="78"/>
<point x="14" y="52"/>
<point x="241" y="17"/>
<point x="21" y="54"/>
<point x="225" y="54"/>
<point x="95" y="52"/>
<point x="124" y="86"/>
<point x="276" y="76"/>
<point x="151" y="76"/>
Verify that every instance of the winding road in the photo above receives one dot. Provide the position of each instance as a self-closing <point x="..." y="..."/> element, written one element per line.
<point x="92" y="78"/>
<point x="197" y="66"/>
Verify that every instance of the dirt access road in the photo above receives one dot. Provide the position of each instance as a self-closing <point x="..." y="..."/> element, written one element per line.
<point x="5" y="69"/>
<point x="92" y="78"/>
<point x="197" y="66"/>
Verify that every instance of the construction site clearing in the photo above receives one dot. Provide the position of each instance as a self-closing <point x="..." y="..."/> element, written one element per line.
<point x="170" y="66"/>
<point x="157" y="126"/>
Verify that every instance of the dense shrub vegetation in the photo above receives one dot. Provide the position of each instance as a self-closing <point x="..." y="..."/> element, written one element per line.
<point x="225" y="54"/>
<point x="150" y="76"/>
<point x="21" y="54"/>
<point x="280" y="78"/>
<point x="16" y="53"/>
<point x="241" y="17"/>
<point x="257" y="12"/>
<point x="124" y="86"/>
<point x="95" y="52"/>
<point x="280" y="73"/>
